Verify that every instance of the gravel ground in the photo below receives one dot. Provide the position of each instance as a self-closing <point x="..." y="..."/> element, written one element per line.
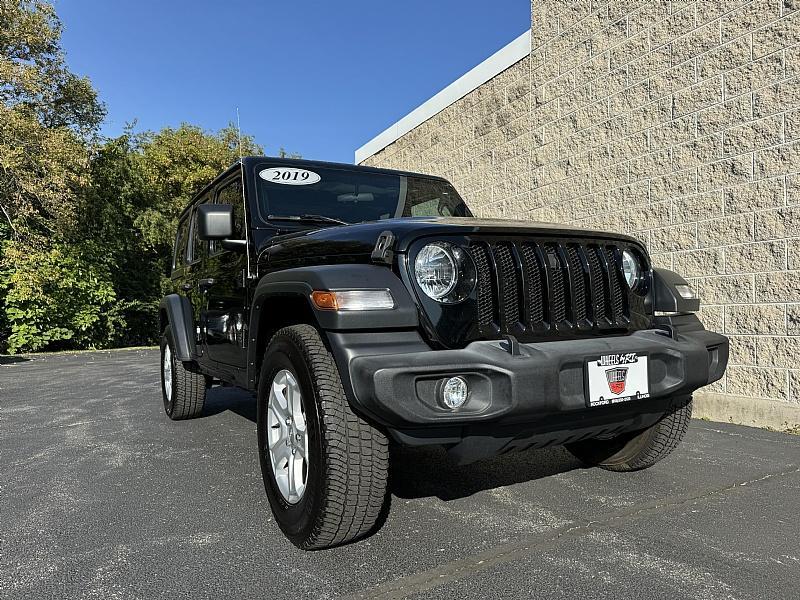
<point x="101" y="496"/>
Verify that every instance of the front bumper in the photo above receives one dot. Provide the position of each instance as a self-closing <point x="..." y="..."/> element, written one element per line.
<point x="393" y="380"/>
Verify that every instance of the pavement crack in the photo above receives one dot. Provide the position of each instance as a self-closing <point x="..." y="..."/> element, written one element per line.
<point x="504" y="553"/>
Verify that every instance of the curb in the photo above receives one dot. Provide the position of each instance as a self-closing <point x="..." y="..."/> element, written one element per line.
<point x="741" y="410"/>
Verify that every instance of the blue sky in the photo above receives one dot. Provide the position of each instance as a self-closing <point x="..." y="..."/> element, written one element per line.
<point x="319" y="78"/>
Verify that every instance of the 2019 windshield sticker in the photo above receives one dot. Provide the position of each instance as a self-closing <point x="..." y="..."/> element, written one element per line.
<point x="289" y="176"/>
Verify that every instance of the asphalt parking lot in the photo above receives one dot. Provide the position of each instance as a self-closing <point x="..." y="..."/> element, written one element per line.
<point x="101" y="496"/>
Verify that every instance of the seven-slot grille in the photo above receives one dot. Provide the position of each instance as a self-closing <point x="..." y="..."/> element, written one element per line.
<point x="543" y="286"/>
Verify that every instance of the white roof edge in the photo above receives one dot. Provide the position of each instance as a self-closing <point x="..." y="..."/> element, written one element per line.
<point x="496" y="63"/>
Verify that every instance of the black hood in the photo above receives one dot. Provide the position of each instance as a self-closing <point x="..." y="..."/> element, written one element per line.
<point x="360" y="238"/>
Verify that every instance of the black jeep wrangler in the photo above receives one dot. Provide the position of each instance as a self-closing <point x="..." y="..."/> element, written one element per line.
<point x="365" y="306"/>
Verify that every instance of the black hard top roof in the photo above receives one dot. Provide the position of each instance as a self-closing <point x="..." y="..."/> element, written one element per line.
<point x="301" y="163"/>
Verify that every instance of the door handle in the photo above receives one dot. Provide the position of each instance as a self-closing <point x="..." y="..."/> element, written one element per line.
<point x="187" y="287"/>
<point x="206" y="283"/>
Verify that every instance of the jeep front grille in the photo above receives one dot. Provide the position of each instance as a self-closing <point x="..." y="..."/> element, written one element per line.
<point x="532" y="287"/>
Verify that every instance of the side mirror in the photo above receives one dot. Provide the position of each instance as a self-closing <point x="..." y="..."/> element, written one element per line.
<point x="215" y="221"/>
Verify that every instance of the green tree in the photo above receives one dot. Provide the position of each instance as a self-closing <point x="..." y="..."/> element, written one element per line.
<point x="58" y="297"/>
<point x="86" y="225"/>
<point x="48" y="115"/>
<point x="175" y="165"/>
<point x="140" y="183"/>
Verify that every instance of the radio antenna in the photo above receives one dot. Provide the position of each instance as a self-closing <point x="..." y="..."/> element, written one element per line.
<point x="244" y="196"/>
<point x="239" y="134"/>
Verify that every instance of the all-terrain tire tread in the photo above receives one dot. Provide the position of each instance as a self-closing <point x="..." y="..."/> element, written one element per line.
<point x="189" y="389"/>
<point x="660" y="440"/>
<point x="356" y="453"/>
<point x="664" y="437"/>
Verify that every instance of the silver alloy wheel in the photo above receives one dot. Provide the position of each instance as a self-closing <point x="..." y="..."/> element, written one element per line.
<point x="166" y="367"/>
<point x="287" y="437"/>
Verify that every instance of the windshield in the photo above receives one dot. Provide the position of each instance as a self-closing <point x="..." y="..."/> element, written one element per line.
<point x="352" y="196"/>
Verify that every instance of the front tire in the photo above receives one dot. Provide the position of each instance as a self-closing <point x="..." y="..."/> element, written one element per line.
<point x="641" y="449"/>
<point x="334" y="493"/>
<point x="183" y="389"/>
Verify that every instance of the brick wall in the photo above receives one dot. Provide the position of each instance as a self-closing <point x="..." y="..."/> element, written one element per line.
<point x="677" y="122"/>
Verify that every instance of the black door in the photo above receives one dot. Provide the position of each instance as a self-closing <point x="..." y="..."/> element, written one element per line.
<point x="226" y="313"/>
<point x="194" y="275"/>
<point x="182" y="280"/>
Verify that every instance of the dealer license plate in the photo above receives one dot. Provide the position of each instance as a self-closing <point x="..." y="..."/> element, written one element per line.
<point x="615" y="378"/>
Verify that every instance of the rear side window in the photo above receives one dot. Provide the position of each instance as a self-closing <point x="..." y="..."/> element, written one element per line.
<point x="179" y="255"/>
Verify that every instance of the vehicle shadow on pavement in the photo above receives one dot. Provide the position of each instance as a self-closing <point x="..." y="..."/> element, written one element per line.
<point x="222" y="398"/>
<point x="10" y="360"/>
<point x="425" y="472"/>
<point x="430" y="471"/>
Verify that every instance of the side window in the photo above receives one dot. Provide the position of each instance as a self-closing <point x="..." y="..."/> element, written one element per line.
<point x="179" y="255"/>
<point x="430" y="198"/>
<point x="426" y="208"/>
<point x="194" y="244"/>
<point x="197" y="247"/>
<point x="231" y="193"/>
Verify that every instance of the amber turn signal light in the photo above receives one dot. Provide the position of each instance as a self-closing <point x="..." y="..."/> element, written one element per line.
<point x="324" y="300"/>
<point x="353" y="299"/>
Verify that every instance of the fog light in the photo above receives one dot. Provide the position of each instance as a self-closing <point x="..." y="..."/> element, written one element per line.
<point x="454" y="392"/>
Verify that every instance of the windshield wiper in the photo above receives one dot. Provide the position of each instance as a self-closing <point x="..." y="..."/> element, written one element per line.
<point x="307" y="218"/>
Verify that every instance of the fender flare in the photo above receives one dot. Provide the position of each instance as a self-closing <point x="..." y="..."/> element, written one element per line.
<point x="666" y="298"/>
<point x="299" y="282"/>
<point x="181" y="324"/>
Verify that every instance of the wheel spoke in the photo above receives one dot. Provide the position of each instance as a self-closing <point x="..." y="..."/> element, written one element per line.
<point x="300" y="481"/>
<point x="282" y="454"/>
<point x="293" y="396"/>
<point x="278" y="400"/>
<point x="281" y="477"/>
<point x="292" y="476"/>
<point x="276" y="418"/>
<point x="300" y="423"/>
<point x="276" y="437"/>
<point x="300" y="448"/>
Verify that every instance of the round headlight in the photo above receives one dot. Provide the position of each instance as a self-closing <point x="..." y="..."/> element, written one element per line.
<point x="436" y="271"/>
<point x="444" y="272"/>
<point x="631" y="268"/>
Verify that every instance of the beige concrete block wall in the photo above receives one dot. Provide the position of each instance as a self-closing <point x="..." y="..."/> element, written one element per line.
<point x="675" y="121"/>
<point x="480" y="143"/>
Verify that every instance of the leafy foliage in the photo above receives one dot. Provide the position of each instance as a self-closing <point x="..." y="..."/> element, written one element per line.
<point x="57" y="295"/>
<point x="140" y="183"/>
<point x="33" y="76"/>
<point x="47" y="114"/>
<point x="86" y="224"/>
<point x="175" y="165"/>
